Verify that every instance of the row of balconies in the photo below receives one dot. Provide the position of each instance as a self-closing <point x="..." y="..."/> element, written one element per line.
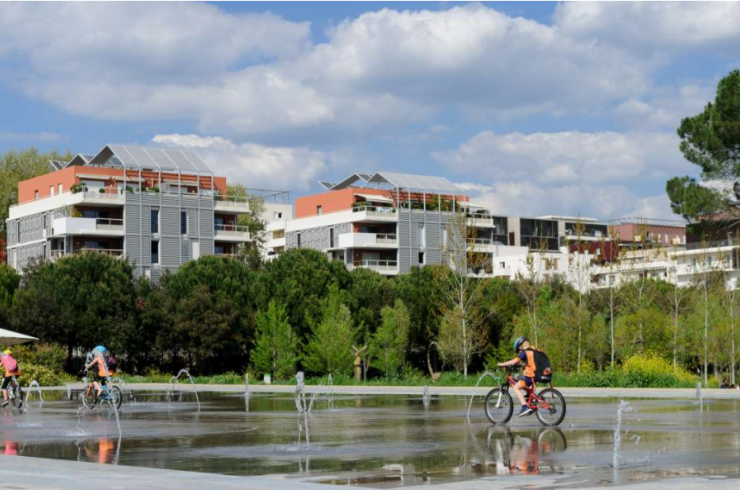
<point x="114" y="227"/>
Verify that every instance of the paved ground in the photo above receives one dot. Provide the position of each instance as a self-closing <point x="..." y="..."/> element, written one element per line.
<point x="680" y="393"/>
<point x="21" y="473"/>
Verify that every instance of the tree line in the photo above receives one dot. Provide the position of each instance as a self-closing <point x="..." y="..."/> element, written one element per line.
<point x="302" y="311"/>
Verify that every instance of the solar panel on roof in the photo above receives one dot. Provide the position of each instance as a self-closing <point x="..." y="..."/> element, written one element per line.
<point x="151" y="158"/>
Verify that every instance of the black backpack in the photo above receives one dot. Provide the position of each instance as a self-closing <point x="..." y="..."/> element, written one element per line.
<point x="543" y="370"/>
<point x="112" y="363"/>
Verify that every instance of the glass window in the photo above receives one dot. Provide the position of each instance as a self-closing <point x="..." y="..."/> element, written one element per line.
<point x="155" y="252"/>
<point x="35" y="194"/>
<point x="183" y="222"/>
<point x="421" y="258"/>
<point x="299" y="240"/>
<point x="318" y="210"/>
<point x="60" y="188"/>
<point x="51" y="190"/>
<point x="331" y="237"/>
<point x="420" y="235"/>
<point x="155" y="220"/>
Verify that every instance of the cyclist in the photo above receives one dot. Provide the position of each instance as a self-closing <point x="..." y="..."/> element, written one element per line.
<point x="100" y="374"/>
<point x="11" y="369"/>
<point x="524" y="355"/>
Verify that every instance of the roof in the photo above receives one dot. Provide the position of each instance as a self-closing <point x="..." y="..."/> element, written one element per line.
<point x="151" y="158"/>
<point x="396" y="181"/>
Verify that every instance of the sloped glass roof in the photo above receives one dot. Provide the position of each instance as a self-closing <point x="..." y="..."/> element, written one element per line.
<point x="414" y="182"/>
<point x="166" y="159"/>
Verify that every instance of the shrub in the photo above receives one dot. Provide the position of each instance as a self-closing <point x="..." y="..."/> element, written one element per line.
<point x="43" y="375"/>
<point x="652" y="370"/>
<point x="51" y="356"/>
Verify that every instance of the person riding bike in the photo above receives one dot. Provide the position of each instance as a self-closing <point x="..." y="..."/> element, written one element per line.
<point x="100" y="373"/>
<point x="11" y="369"/>
<point x="525" y="354"/>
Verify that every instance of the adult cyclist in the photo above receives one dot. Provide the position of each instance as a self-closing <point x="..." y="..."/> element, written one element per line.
<point x="99" y="368"/>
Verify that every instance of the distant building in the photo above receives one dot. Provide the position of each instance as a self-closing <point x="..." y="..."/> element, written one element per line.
<point x="158" y="208"/>
<point x="636" y="232"/>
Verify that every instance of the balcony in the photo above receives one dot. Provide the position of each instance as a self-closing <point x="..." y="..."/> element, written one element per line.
<point x="232" y="233"/>
<point x="87" y="226"/>
<point x="382" y="266"/>
<point x="374" y="213"/>
<point x="104" y="251"/>
<point x="231" y="204"/>
<point x="367" y="240"/>
<point x="275" y="243"/>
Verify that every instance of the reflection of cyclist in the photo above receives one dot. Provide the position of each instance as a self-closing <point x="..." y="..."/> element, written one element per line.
<point x="524" y="355"/>
<point x="11" y="369"/>
<point x="100" y="373"/>
<point x="525" y="458"/>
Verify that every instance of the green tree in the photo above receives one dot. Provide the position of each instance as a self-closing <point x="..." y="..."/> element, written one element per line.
<point x="276" y="349"/>
<point x="216" y="292"/>
<point x="711" y="140"/>
<point x="301" y="279"/>
<point x="329" y="350"/>
<point x="251" y="253"/>
<point x="369" y="292"/>
<point x="388" y="344"/>
<point x="78" y="302"/>
<point x="9" y="282"/>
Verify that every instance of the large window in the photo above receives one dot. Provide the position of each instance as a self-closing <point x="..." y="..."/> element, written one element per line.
<point x="183" y="222"/>
<point x="155" y="220"/>
<point x="331" y="238"/>
<point x="420" y="235"/>
<point x="155" y="252"/>
<point x="299" y="240"/>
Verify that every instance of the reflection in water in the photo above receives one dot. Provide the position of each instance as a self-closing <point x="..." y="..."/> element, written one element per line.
<point x="521" y="453"/>
<point x="102" y="450"/>
<point x="10" y="448"/>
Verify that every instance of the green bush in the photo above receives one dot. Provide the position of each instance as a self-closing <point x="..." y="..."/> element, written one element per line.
<point x="43" y="375"/>
<point x="51" y="356"/>
<point x="654" y="371"/>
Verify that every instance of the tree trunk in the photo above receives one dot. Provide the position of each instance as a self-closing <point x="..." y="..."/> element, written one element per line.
<point x="580" y="329"/>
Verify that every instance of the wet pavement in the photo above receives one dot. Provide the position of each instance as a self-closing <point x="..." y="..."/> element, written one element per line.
<point x="383" y="441"/>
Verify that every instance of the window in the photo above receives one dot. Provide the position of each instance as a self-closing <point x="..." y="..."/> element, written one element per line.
<point x="277" y="215"/>
<point x="331" y="237"/>
<point x="44" y="220"/>
<point x="183" y="222"/>
<point x="420" y="235"/>
<point x="155" y="252"/>
<point x="61" y="188"/>
<point x="155" y="220"/>
<point x="51" y="190"/>
<point x="35" y="194"/>
<point x="421" y="258"/>
<point x="318" y="209"/>
<point x="299" y="240"/>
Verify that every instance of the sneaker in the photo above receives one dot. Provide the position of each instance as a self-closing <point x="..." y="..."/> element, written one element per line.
<point x="525" y="411"/>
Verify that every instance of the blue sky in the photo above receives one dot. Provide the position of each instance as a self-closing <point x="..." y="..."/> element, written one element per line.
<point x="536" y="108"/>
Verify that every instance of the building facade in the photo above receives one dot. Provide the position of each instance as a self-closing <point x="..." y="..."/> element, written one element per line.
<point x="158" y="208"/>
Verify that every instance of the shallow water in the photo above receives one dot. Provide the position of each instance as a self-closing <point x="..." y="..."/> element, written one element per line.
<point x="381" y="441"/>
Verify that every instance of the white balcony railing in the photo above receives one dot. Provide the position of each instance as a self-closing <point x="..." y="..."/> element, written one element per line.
<point x="378" y="265"/>
<point x="109" y="224"/>
<point x="105" y="251"/>
<point x="232" y="231"/>
<point x="366" y="240"/>
<point x="376" y="211"/>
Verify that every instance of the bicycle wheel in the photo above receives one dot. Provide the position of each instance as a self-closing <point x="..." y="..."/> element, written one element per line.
<point x="499" y="406"/>
<point x="552" y="441"/>
<point x="551" y="407"/>
<point x="116" y="398"/>
<point x="17" y="398"/>
<point x="89" y="397"/>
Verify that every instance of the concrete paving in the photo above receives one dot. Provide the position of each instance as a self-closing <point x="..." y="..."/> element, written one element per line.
<point x="644" y="393"/>
<point x="22" y="473"/>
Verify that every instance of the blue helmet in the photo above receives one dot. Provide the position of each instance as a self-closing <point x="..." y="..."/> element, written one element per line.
<point x="99" y="348"/>
<point x="519" y="342"/>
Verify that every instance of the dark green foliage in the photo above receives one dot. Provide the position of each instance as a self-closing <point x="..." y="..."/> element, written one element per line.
<point x="9" y="282"/>
<point x="276" y="346"/>
<point x="711" y="140"/>
<point x="300" y="279"/>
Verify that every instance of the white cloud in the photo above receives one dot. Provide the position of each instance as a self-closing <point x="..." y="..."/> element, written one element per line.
<point x="254" y="165"/>
<point x="530" y="199"/>
<point x="257" y="74"/>
<point x="658" y="26"/>
<point x="664" y="107"/>
<point x="566" y="157"/>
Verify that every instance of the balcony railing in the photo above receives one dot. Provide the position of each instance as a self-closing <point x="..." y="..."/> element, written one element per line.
<point x="232" y="228"/>
<point x="109" y="224"/>
<point x="57" y="254"/>
<point x="105" y="251"/>
<point x="713" y="244"/>
<point x="480" y="241"/>
<point x="382" y="211"/>
<point x="378" y="265"/>
<point x="386" y="239"/>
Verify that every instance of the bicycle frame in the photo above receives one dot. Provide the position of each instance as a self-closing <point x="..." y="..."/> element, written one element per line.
<point x="533" y="400"/>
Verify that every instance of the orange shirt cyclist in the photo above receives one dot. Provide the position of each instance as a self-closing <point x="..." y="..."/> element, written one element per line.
<point x="525" y="355"/>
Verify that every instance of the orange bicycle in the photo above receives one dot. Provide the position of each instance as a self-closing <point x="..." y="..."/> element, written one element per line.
<point x="548" y="404"/>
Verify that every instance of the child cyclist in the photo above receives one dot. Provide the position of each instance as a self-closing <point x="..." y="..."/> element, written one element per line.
<point x="100" y="373"/>
<point x="524" y="355"/>
<point x="11" y="369"/>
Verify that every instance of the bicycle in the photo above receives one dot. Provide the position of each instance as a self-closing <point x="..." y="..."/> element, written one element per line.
<point x="549" y="404"/>
<point x="15" y="393"/>
<point x="111" y="394"/>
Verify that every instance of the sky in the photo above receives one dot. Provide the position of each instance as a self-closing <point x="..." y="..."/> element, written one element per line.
<point x="534" y="108"/>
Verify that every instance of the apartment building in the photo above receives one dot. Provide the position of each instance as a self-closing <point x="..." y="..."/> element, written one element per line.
<point x="391" y="222"/>
<point x="638" y="232"/>
<point x="158" y="208"/>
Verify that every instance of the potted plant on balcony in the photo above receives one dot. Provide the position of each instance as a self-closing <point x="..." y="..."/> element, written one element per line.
<point x="102" y="190"/>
